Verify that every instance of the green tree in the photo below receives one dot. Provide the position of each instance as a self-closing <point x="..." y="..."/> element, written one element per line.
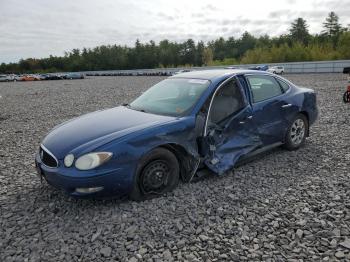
<point x="199" y="53"/>
<point x="207" y="56"/>
<point x="332" y="26"/>
<point x="299" y="31"/>
<point x="188" y="52"/>
<point x="246" y="42"/>
<point x="298" y="45"/>
<point x="344" y="45"/>
<point x="219" y="48"/>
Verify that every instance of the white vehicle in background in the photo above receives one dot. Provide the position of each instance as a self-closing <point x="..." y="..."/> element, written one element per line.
<point x="18" y="78"/>
<point x="6" y="78"/>
<point x="276" y="70"/>
<point x="3" y="78"/>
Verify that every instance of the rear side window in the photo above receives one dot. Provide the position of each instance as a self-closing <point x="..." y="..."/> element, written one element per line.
<point x="263" y="87"/>
<point x="283" y="84"/>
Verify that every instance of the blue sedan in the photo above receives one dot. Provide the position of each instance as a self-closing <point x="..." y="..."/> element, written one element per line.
<point x="209" y="119"/>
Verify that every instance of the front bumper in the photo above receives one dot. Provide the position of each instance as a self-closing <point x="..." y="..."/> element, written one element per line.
<point x="115" y="182"/>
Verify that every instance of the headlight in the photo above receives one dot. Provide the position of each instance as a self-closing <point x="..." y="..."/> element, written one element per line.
<point x="92" y="160"/>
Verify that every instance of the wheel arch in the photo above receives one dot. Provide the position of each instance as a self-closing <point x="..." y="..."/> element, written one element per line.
<point x="306" y="114"/>
<point x="187" y="162"/>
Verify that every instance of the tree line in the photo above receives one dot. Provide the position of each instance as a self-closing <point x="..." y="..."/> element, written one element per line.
<point x="297" y="45"/>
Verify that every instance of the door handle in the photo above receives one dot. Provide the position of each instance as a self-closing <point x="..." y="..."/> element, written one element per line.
<point x="243" y="122"/>
<point x="286" y="105"/>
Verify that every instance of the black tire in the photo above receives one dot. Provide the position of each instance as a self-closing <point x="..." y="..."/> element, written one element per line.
<point x="297" y="132"/>
<point x="157" y="173"/>
<point x="282" y="72"/>
<point x="346" y="97"/>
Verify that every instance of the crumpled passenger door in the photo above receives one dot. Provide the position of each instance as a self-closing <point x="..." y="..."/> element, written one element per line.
<point x="224" y="143"/>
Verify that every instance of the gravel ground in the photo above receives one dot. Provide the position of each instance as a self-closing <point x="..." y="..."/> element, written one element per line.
<point x="283" y="206"/>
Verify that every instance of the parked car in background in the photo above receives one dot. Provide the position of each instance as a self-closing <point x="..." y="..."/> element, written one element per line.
<point x="7" y="78"/>
<point x="62" y="75"/>
<point x="259" y="68"/>
<point x="18" y="78"/>
<point x="53" y="77"/>
<point x="209" y="119"/>
<point x="44" y="76"/>
<point x="276" y="70"/>
<point x="181" y="71"/>
<point x="31" y="78"/>
<point x="74" y="76"/>
<point x="3" y="78"/>
<point x="11" y="77"/>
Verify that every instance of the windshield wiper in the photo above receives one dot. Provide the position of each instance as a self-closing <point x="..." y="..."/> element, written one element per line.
<point x="134" y="108"/>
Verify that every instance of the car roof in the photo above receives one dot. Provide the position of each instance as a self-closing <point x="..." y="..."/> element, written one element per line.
<point x="215" y="74"/>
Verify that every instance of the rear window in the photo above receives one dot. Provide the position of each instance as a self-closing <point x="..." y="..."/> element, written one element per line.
<point x="283" y="84"/>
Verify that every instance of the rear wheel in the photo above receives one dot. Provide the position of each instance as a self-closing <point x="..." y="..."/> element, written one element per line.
<point x="297" y="132"/>
<point x="346" y="97"/>
<point x="157" y="174"/>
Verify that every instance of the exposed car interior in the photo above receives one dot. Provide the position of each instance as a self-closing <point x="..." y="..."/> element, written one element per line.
<point x="227" y="101"/>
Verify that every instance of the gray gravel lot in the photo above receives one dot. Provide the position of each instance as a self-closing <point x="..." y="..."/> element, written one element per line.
<point x="283" y="206"/>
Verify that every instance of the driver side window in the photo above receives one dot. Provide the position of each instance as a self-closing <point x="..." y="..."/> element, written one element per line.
<point x="227" y="101"/>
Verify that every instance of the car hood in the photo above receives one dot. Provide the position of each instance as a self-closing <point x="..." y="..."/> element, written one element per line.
<point x="98" y="128"/>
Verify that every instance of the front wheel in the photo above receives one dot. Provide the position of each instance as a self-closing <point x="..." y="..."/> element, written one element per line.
<point x="157" y="173"/>
<point x="297" y="132"/>
<point x="346" y="97"/>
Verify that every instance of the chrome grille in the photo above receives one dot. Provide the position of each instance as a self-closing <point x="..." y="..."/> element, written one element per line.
<point x="47" y="158"/>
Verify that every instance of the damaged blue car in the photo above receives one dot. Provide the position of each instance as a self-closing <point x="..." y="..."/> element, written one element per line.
<point x="209" y="119"/>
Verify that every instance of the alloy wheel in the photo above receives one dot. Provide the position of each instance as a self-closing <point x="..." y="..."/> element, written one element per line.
<point x="297" y="131"/>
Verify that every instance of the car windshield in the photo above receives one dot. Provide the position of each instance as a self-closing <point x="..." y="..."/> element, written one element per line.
<point x="173" y="97"/>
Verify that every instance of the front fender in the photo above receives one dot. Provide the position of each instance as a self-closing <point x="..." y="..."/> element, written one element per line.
<point x="179" y="137"/>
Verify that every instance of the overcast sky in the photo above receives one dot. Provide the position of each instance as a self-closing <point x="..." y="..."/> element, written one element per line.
<point x="38" y="28"/>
